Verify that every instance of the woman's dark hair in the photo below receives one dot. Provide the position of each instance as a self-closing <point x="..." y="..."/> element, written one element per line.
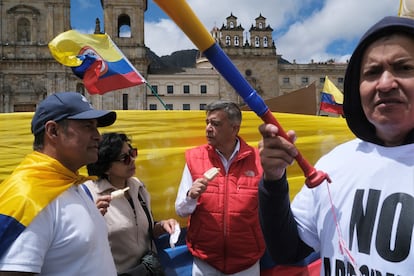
<point x="109" y="150"/>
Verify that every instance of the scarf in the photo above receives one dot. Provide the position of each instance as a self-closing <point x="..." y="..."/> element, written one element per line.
<point x="35" y="182"/>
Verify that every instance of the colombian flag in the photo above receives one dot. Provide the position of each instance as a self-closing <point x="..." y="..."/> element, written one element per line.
<point x="331" y="98"/>
<point x="35" y="182"/>
<point x="96" y="59"/>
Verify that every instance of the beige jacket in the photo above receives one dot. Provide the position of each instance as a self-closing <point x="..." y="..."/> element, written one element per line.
<point x="128" y="234"/>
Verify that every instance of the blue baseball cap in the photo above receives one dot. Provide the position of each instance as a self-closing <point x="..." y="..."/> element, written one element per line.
<point x="68" y="105"/>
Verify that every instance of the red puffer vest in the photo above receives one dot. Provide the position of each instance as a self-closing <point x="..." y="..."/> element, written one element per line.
<point x="224" y="229"/>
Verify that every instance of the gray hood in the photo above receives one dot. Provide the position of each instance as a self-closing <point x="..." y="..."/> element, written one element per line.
<point x="354" y="115"/>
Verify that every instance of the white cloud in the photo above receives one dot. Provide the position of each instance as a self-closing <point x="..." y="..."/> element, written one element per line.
<point x="164" y="37"/>
<point x="85" y="31"/>
<point x="303" y="29"/>
<point x="84" y="4"/>
<point x="337" y="20"/>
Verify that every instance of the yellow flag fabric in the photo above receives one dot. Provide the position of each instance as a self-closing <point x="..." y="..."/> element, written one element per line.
<point x="35" y="182"/>
<point x="66" y="47"/>
<point x="163" y="136"/>
<point x="406" y="8"/>
<point x="38" y="177"/>
<point x="330" y="88"/>
<point x="96" y="60"/>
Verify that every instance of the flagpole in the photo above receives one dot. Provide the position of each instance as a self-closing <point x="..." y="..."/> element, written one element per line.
<point x="320" y="97"/>
<point x="156" y="95"/>
<point x="319" y="105"/>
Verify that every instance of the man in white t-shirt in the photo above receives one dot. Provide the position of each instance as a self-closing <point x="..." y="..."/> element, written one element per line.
<point x="362" y="222"/>
<point x="50" y="226"/>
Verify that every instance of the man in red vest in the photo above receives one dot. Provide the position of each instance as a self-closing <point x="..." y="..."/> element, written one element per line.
<point x="223" y="234"/>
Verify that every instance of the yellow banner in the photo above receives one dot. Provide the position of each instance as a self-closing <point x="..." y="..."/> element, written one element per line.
<point x="162" y="137"/>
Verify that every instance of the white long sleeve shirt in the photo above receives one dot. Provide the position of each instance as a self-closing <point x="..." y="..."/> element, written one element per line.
<point x="185" y="205"/>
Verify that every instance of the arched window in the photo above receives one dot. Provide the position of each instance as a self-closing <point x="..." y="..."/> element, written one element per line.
<point x="23" y="30"/>
<point x="265" y="41"/>
<point x="257" y="41"/>
<point x="260" y="25"/>
<point x="228" y="40"/>
<point x="231" y="25"/>
<point x="236" y="40"/>
<point x="124" y="26"/>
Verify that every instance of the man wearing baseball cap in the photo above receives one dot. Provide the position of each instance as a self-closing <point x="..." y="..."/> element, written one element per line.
<point x="49" y="224"/>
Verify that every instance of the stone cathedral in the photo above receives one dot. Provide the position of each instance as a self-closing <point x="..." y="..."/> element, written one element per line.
<point x="28" y="72"/>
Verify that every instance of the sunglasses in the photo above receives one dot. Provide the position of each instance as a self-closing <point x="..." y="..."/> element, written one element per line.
<point x="127" y="158"/>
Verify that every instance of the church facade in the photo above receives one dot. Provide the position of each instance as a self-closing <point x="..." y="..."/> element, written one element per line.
<point x="28" y="72"/>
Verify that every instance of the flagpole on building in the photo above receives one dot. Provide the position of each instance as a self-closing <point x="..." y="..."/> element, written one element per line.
<point x="319" y="105"/>
<point x="156" y="95"/>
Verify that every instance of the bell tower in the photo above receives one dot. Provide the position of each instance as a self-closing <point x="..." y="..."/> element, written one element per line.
<point x="253" y="54"/>
<point x="124" y="23"/>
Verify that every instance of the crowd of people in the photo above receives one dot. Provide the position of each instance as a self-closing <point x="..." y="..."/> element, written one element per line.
<point x="56" y="222"/>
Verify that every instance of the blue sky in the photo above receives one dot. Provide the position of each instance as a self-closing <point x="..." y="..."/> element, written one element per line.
<point x="84" y="13"/>
<point x="304" y="30"/>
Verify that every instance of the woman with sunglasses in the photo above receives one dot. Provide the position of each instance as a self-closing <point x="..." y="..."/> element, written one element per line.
<point x="130" y="234"/>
